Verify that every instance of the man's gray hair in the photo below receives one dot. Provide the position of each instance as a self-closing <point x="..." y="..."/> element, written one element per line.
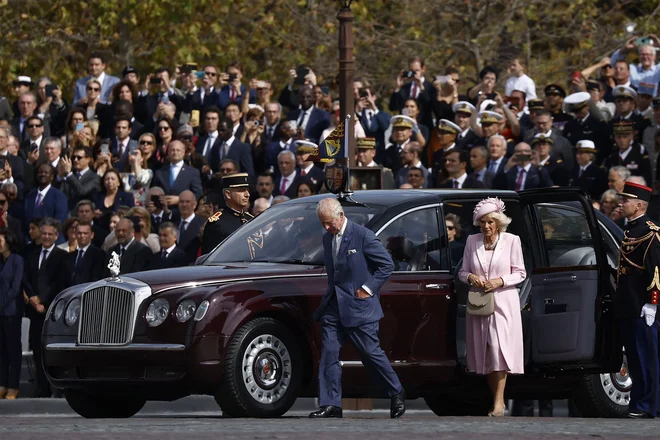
<point x="53" y="140"/>
<point x="637" y="179"/>
<point x="329" y="206"/>
<point x="169" y="225"/>
<point x="50" y="221"/>
<point x="481" y="149"/>
<point x="279" y="199"/>
<point x="496" y="136"/>
<point x="622" y="171"/>
<point x="287" y="153"/>
<point x="44" y="79"/>
<point x="85" y="202"/>
<point x="9" y="185"/>
<point x="279" y="106"/>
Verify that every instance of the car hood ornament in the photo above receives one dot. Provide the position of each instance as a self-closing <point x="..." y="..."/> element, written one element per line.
<point x="114" y="266"/>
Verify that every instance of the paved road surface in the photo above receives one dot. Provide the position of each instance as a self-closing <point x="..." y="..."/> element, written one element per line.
<point x="363" y="425"/>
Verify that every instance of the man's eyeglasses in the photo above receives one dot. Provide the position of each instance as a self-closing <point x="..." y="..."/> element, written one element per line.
<point x="77" y="157"/>
<point x="146" y="143"/>
<point x="93" y="89"/>
<point x="210" y="73"/>
<point x="163" y="128"/>
<point x="35" y="126"/>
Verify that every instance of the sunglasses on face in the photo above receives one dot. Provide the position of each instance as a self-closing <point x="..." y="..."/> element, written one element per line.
<point x="93" y="89"/>
<point x="35" y="126"/>
<point x="163" y="128"/>
<point x="146" y="143"/>
<point x="210" y="73"/>
<point x="77" y="157"/>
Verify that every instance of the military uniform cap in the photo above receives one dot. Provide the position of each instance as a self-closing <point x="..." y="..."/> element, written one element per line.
<point x="448" y="127"/>
<point x="540" y="138"/>
<point x="586" y="146"/>
<point x="237" y="180"/>
<point x="128" y="69"/>
<point x="366" y="143"/>
<point x="636" y="191"/>
<point x="306" y="147"/>
<point x="624" y="92"/>
<point x="577" y="100"/>
<point x="488" y="117"/>
<point x="623" y="126"/>
<point x="535" y="104"/>
<point x="555" y="89"/>
<point x="463" y="107"/>
<point x="23" y="80"/>
<point x="402" y="121"/>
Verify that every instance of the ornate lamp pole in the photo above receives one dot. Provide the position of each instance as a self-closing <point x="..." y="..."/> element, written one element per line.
<point x="346" y="70"/>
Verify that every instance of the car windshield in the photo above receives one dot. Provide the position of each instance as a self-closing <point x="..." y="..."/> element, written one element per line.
<point x="285" y="233"/>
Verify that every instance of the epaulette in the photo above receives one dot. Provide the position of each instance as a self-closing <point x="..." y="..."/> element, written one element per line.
<point x="560" y="161"/>
<point x="248" y="214"/>
<point x="215" y="216"/>
<point x="652" y="226"/>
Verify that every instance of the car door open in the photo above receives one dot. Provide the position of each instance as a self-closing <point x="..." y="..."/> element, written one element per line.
<point x="571" y="324"/>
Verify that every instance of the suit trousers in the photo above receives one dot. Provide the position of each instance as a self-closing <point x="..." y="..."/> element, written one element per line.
<point x="11" y="353"/>
<point x="641" y="344"/>
<point x="36" y="325"/>
<point x="365" y="340"/>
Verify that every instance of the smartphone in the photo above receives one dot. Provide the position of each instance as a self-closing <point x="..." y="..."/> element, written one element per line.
<point x="642" y="41"/>
<point x="363" y="93"/>
<point x="199" y="74"/>
<point x="524" y="157"/>
<point x="301" y="73"/>
<point x="577" y="75"/>
<point x="49" y="90"/>
<point x="444" y="79"/>
<point x="194" y="118"/>
<point x="105" y="148"/>
<point x="405" y="112"/>
<point x="165" y="99"/>
<point x="156" y="201"/>
<point x="490" y="96"/>
<point x="154" y="81"/>
<point x="232" y="77"/>
<point x="79" y="126"/>
<point x="191" y="66"/>
<point x="36" y="148"/>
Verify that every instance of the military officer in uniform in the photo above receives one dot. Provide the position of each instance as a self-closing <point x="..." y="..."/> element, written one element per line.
<point x="586" y="126"/>
<point x="629" y="153"/>
<point x="542" y="146"/>
<point x="447" y="131"/>
<point x="586" y="173"/>
<point x="554" y="100"/>
<point x="462" y="113"/>
<point x="236" y="192"/>
<point x="638" y="289"/>
<point x="624" y="99"/>
<point x="366" y="151"/>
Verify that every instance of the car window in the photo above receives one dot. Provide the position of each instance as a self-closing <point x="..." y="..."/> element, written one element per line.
<point x="413" y="241"/>
<point x="287" y="233"/>
<point x="566" y="235"/>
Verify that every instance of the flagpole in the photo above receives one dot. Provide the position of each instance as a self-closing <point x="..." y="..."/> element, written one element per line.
<point x="347" y="162"/>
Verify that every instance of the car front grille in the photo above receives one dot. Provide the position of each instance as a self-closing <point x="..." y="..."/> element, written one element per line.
<point x="106" y="316"/>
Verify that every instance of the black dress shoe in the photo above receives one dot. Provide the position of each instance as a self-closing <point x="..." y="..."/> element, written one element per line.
<point x="398" y="405"/>
<point x="639" y="415"/>
<point x="327" y="411"/>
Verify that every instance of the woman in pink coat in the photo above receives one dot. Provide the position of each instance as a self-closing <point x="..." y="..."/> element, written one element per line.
<point x="493" y="261"/>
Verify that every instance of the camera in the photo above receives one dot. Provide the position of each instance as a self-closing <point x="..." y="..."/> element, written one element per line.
<point x="363" y="93"/>
<point x="409" y="74"/>
<point x="232" y="77"/>
<point x="154" y="81"/>
<point x="257" y="122"/>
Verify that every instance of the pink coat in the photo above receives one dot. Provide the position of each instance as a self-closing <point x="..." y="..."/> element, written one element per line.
<point x="495" y="342"/>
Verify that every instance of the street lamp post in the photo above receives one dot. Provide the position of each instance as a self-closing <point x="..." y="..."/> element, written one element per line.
<point x="346" y="69"/>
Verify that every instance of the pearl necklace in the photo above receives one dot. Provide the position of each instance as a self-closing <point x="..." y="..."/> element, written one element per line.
<point x="490" y="247"/>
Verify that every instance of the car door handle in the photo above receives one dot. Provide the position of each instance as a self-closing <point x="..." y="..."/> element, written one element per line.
<point x="571" y="278"/>
<point x="436" y="286"/>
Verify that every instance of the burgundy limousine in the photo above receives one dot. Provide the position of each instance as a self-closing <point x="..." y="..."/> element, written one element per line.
<point x="238" y="324"/>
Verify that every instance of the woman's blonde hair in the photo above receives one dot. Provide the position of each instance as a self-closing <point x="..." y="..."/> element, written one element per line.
<point x="141" y="212"/>
<point x="502" y="220"/>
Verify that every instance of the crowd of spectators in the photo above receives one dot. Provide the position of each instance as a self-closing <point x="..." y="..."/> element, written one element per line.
<point x="133" y="164"/>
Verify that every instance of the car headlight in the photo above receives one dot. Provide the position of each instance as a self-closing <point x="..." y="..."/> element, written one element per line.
<point x="186" y="310"/>
<point x="157" y="312"/>
<point x="72" y="312"/>
<point x="58" y="311"/>
<point x="201" y="310"/>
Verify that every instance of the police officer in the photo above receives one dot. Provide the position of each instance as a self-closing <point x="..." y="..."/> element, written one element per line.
<point x="236" y="192"/>
<point x="629" y="153"/>
<point x="638" y="289"/>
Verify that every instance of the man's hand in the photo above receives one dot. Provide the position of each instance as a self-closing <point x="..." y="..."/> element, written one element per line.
<point x="292" y="77"/>
<point x="64" y="166"/>
<point x="57" y="95"/>
<point x="40" y="308"/>
<point x="491" y="285"/>
<point x="371" y="101"/>
<point x="170" y="200"/>
<point x="580" y="84"/>
<point x="33" y="156"/>
<point x="648" y="313"/>
<point x="630" y="44"/>
<point x="310" y="78"/>
<point x="362" y="294"/>
<point x="605" y="61"/>
<point x="499" y="101"/>
<point x="399" y="81"/>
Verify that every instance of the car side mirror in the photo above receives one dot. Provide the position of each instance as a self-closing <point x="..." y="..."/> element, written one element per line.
<point x="201" y="259"/>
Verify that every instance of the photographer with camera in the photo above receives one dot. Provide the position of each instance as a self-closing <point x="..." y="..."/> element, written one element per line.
<point x="52" y="109"/>
<point x="299" y="77"/>
<point x="522" y="174"/>
<point x="412" y="84"/>
<point x="232" y="90"/>
<point x="488" y="77"/>
<point x="374" y="121"/>
<point x="162" y="100"/>
<point x="252" y="135"/>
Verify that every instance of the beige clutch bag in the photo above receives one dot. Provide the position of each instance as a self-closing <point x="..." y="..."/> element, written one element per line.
<point x="480" y="303"/>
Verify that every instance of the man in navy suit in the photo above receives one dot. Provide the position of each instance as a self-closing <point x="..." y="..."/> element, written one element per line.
<point x="122" y="145"/>
<point x="287" y="183"/>
<point x="161" y="93"/>
<point x="285" y="142"/>
<point x="170" y="254"/>
<point x="418" y="88"/>
<point x="524" y="175"/>
<point x="374" y="121"/>
<point x="233" y="91"/>
<point x="189" y="226"/>
<point x="311" y="119"/>
<point x="229" y="147"/>
<point x="85" y="265"/>
<point x="204" y="97"/>
<point x="96" y="70"/>
<point x="357" y="265"/>
<point x="45" y="200"/>
<point x="177" y="177"/>
<point x="497" y="149"/>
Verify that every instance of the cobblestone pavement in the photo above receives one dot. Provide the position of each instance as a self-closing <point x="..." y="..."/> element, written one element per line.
<point x="362" y="425"/>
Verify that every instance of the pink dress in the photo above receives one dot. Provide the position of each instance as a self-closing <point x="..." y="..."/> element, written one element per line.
<point x="495" y="342"/>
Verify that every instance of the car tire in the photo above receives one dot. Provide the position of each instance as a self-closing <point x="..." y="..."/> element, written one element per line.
<point x="97" y="407"/>
<point x="604" y="395"/>
<point x="451" y="405"/>
<point x="262" y="371"/>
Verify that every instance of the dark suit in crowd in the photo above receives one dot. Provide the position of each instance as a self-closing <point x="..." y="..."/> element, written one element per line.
<point x="11" y="315"/>
<point x="238" y="151"/>
<point x="44" y="281"/>
<point x="134" y="258"/>
<point x="291" y="191"/>
<point x="187" y="179"/>
<point x="424" y="98"/>
<point x="122" y="165"/>
<point x="165" y="260"/>
<point x="88" y="268"/>
<point x="593" y="179"/>
<point x="54" y="204"/>
<point x="536" y="178"/>
<point x="189" y="239"/>
<point x="79" y="188"/>
<point x="317" y="121"/>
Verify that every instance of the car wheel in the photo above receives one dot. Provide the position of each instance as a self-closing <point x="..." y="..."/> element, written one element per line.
<point x="605" y="395"/>
<point x="450" y="405"/>
<point x="263" y="371"/>
<point x="97" y="407"/>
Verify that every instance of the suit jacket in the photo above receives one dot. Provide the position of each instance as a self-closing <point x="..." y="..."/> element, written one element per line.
<point x="425" y="99"/>
<point x="102" y="114"/>
<point x="466" y="141"/>
<point x="17" y="171"/>
<point x="78" y="189"/>
<point x="189" y="241"/>
<point x="376" y="128"/>
<point x="224" y="97"/>
<point x="591" y="129"/>
<point x="239" y="152"/>
<point x="176" y="258"/>
<point x="187" y="179"/>
<point x="11" y="291"/>
<point x="317" y="121"/>
<point x="272" y="150"/>
<point x="291" y="191"/>
<point x="24" y="135"/>
<point x="593" y="179"/>
<point x="122" y="165"/>
<point x="55" y="205"/>
<point x="559" y="174"/>
<point x="90" y="269"/>
<point x="362" y="260"/>
<point x="194" y="102"/>
<point x="402" y="176"/>
<point x="49" y="280"/>
<point x="135" y="258"/>
<point x="147" y="105"/>
<point x="637" y="161"/>
<point x="470" y="182"/>
<point x="122" y="198"/>
<point x="561" y="147"/>
<point x="489" y="176"/>
<point x="536" y="178"/>
<point x="106" y="88"/>
<point x="314" y="175"/>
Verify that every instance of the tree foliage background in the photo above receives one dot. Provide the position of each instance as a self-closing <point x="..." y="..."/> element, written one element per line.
<point x="269" y="37"/>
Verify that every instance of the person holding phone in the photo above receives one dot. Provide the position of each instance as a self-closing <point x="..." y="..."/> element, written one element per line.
<point x="647" y="71"/>
<point x="232" y="90"/>
<point x="95" y="110"/>
<point x="51" y="105"/>
<point x="412" y="84"/>
<point x="522" y="174"/>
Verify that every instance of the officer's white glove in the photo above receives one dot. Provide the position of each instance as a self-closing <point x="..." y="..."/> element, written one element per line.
<point x="648" y="313"/>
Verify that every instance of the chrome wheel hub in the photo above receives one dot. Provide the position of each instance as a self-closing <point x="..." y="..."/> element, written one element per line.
<point x="617" y="385"/>
<point x="266" y="369"/>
